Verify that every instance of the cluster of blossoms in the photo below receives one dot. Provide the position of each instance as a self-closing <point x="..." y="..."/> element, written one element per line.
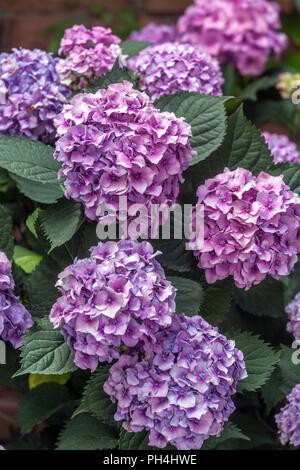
<point x="181" y="391"/>
<point x="251" y="227"/>
<point x="14" y="318"/>
<point x="243" y="32"/>
<point x="288" y="420"/>
<point x="116" y="143"/>
<point x="118" y="296"/>
<point x="30" y="94"/>
<point x="172" y="67"/>
<point x="88" y="53"/>
<point x="281" y="148"/>
<point x="2" y="448"/>
<point x="287" y="83"/>
<point x="293" y="311"/>
<point x="157" y="34"/>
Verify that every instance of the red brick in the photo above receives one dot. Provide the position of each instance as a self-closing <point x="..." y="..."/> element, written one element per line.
<point x="287" y="6"/>
<point x="28" y="30"/>
<point x="166" y="6"/>
<point x="56" y="6"/>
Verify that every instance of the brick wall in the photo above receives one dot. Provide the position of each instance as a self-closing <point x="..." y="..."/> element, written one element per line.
<point x="23" y="22"/>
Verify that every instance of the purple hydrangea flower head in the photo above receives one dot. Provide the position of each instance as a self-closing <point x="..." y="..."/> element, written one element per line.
<point x="157" y="34"/>
<point x="30" y="94"/>
<point x="172" y="67"/>
<point x="2" y="448"/>
<point x="88" y="53"/>
<point x="181" y="392"/>
<point x="288" y="419"/>
<point x="281" y="148"/>
<point x="116" y="143"/>
<point x="293" y="311"/>
<point x="251" y="227"/>
<point x="14" y="318"/>
<point x="243" y="32"/>
<point x="118" y="296"/>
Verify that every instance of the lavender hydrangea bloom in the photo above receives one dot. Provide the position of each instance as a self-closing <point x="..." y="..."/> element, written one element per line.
<point x="281" y="148"/>
<point x="288" y="420"/>
<point x="116" y="143"/>
<point x="243" y="32"/>
<point x="181" y="392"/>
<point x="118" y="296"/>
<point x="174" y="67"/>
<point x="251" y="227"/>
<point x="2" y="448"/>
<point x="14" y="318"/>
<point x="157" y="34"/>
<point x="293" y="311"/>
<point x="30" y="94"/>
<point x="88" y="53"/>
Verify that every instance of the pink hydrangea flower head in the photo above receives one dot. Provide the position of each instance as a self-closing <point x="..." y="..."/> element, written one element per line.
<point x="173" y="67"/>
<point x="288" y="419"/>
<point x="116" y="143"/>
<point x="181" y="392"/>
<point x="281" y="148"/>
<point x="293" y="311"/>
<point x="242" y="32"/>
<point x="251" y="227"/>
<point x="157" y="34"/>
<point x="88" y="53"/>
<point x="118" y="296"/>
<point x="31" y="94"/>
<point x="14" y="318"/>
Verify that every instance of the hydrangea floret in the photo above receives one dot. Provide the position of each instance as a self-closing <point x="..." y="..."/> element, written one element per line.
<point x="31" y="94"/>
<point x="281" y="148"/>
<point x="173" y="67"/>
<point x="88" y="53"/>
<point x="288" y="420"/>
<point x="181" y="391"/>
<point x="155" y="33"/>
<point x="119" y="296"/>
<point x="293" y="311"/>
<point x="116" y="143"/>
<point x="251" y="227"/>
<point x="242" y="32"/>
<point x="14" y="318"/>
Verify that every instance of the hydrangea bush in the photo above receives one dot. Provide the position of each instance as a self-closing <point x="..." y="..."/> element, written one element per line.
<point x="144" y="339"/>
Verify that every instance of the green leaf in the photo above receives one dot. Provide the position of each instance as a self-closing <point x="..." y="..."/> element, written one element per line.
<point x="189" y="295"/>
<point x="29" y="159"/>
<point x="60" y="221"/>
<point x="40" y="403"/>
<point x="133" y="48"/>
<point x="250" y="91"/>
<point x="230" y="431"/>
<point x="206" y="115"/>
<point x="116" y="75"/>
<point x="217" y="300"/>
<point x="254" y="300"/>
<point x="6" y="232"/>
<point x="283" y="379"/>
<point x="174" y="255"/>
<point x="260" y="359"/>
<point x="87" y="433"/>
<point x="41" y="289"/>
<point x="95" y="401"/>
<point x="44" y="351"/>
<point x="45" y="193"/>
<point x="26" y="259"/>
<point x="291" y="175"/>
<point x="134" y="440"/>
<point x="31" y="221"/>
